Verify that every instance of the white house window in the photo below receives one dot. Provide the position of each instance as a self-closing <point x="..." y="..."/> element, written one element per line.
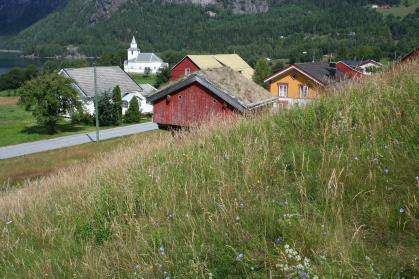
<point x="187" y="71"/>
<point x="303" y="91"/>
<point x="283" y="90"/>
<point x="125" y="104"/>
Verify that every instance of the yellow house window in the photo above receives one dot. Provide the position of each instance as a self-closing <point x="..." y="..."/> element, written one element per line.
<point x="303" y="91"/>
<point x="283" y="90"/>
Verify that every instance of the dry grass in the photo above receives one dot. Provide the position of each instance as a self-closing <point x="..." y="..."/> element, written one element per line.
<point x="334" y="180"/>
<point x="5" y="101"/>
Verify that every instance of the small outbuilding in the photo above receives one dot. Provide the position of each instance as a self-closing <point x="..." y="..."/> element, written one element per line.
<point x="205" y="94"/>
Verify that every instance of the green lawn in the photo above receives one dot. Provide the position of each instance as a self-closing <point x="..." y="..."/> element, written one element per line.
<point x="400" y="11"/>
<point x="19" y="126"/>
<point x="139" y="78"/>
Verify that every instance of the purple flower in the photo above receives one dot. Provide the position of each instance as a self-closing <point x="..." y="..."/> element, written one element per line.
<point x="304" y="275"/>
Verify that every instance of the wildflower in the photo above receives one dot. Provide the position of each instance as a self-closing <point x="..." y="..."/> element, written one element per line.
<point x="315" y="277"/>
<point x="252" y="268"/>
<point x="239" y="257"/>
<point x="162" y="250"/>
<point x="417" y="177"/>
<point x="356" y="158"/>
<point x="323" y="226"/>
<point x="304" y="275"/>
<point x="286" y="246"/>
<point x="386" y="170"/>
<point x="9" y="222"/>
<point x="402" y="210"/>
<point x="286" y="202"/>
<point x="300" y="266"/>
<point x="241" y="205"/>
<point x="237" y="218"/>
<point x="137" y="266"/>
<point x="323" y="233"/>
<point x="210" y="275"/>
<point x="385" y="146"/>
<point x="298" y="258"/>
<point x="278" y="240"/>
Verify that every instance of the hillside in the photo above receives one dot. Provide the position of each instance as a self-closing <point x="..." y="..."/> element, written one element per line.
<point x="287" y="29"/>
<point x="330" y="189"/>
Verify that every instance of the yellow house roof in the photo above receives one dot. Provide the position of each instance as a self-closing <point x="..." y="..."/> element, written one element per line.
<point x="234" y="61"/>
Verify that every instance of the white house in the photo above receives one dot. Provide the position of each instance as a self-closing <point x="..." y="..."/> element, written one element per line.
<point x="144" y="107"/>
<point x="142" y="62"/>
<point x="107" y="78"/>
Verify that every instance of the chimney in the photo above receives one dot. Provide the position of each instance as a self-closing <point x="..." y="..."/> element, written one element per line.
<point x="332" y="70"/>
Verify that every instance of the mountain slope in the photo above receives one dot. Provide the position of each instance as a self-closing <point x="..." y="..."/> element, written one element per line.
<point x="16" y="15"/>
<point x="288" y="29"/>
<point x="330" y="190"/>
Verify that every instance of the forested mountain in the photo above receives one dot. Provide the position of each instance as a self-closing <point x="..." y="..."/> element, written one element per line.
<point x="299" y="29"/>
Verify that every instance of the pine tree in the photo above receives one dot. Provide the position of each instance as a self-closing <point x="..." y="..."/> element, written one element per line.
<point x="133" y="114"/>
<point x="117" y="101"/>
<point x="108" y="114"/>
<point x="262" y="70"/>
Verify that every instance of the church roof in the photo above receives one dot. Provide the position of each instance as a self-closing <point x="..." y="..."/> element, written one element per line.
<point x="146" y="58"/>
<point x="133" y="40"/>
<point x="107" y="79"/>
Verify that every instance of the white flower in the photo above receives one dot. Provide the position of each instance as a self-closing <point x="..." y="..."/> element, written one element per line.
<point x="286" y="246"/>
<point x="300" y="266"/>
<point x="298" y="258"/>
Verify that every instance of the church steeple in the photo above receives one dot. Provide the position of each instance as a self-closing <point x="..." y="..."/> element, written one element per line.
<point x="133" y="43"/>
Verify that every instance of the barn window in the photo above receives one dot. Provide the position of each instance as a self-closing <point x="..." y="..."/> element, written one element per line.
<point x="214" y="100"/>
<point x="187" y="71"/>
<point x="180" y="97"/>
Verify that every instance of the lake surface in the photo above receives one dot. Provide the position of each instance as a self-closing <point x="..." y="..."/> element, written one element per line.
<point x="9" y="61"/>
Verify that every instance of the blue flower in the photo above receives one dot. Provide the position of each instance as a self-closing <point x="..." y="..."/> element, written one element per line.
<point x="278" y="240"/>
<point x="162" y="250"/>
<point x="239" y="257"/>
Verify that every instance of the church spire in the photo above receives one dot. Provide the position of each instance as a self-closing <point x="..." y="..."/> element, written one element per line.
<point x="133" y="43"/>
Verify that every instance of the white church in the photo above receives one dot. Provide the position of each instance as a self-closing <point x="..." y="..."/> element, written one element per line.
<point x="141" y="62"/>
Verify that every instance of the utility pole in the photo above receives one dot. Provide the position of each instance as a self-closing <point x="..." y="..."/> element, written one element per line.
<point x="96" y="103"/>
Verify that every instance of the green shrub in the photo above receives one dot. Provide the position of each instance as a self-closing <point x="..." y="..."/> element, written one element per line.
<point x="133" y="114"/>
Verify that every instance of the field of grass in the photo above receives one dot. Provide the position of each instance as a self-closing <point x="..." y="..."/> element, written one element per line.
<point x="325" y="191"/>
<point x="19" y="126"/>
<point x="139" y="78"/>
<point x="401" y="10"/>
<point x="14" y="172"/>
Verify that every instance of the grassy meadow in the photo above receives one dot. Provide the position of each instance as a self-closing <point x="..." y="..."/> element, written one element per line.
<point x="19" y="126"/>
<point x="15" y="172"/>
<point x="400" y="10"/>
<point x="141" y="78"/>
<point x="325" y="191"/>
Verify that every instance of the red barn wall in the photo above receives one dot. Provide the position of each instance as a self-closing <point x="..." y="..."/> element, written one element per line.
<point x="348" y="70"/>
<point x="190" y="106"/>
<point x="179" y="70"/>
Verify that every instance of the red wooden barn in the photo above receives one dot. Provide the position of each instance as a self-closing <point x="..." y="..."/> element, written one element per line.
<point x="193" y="63"/>
<point x="414" y="54"/>
<point x="205" y="94"/>
<point x="348" y="70"/>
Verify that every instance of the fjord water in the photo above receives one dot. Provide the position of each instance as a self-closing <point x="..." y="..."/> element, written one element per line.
<point x="9" y="61"/>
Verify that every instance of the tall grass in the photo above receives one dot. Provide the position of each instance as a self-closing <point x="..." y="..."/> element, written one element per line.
<point x="326" y="190"/>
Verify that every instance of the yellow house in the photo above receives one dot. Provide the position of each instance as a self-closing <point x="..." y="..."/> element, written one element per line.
<point x="301" y="82"/>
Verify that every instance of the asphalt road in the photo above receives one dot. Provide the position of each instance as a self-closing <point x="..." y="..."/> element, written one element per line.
<point x="61" y="142"/>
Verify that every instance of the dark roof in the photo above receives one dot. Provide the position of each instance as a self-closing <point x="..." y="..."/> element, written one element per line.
<point x="107" y="79"/>
<point x="408" y="55"/>
<point x="355" y="63"/>
<point x="322" y="71"/>
<point x="232" y="87"/>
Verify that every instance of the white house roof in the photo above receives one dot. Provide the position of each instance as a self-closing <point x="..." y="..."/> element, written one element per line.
<point x="107" y="79"/>
<point x="148" y="89"/>
<point x="146" y="58"/>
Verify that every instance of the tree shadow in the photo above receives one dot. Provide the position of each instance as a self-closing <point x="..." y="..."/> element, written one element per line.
<point x="60" y="128"/>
